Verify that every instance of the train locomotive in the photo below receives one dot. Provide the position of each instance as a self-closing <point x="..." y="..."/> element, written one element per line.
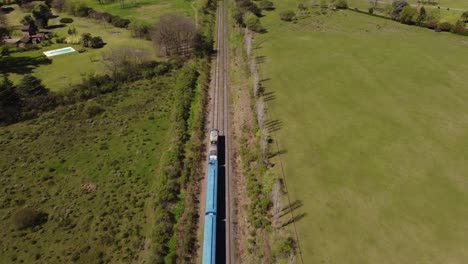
<point x="211" y="204"/>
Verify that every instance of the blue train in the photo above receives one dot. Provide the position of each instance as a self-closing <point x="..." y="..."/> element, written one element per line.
<point x="211" y="203"/>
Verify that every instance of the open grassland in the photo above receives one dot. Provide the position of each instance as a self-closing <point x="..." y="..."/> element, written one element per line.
<point x="373" y="121"/>
<point x="69" y="69"/>
<point x="45" y="162"/>
<point x="148" y="11"/>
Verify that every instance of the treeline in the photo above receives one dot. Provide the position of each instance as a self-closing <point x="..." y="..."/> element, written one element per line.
<point x="403" y="12"/>
<point x="174" y="234"/>
<point x="168" y="186"/>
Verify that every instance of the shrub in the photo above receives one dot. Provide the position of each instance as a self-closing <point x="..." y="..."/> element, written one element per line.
<point x="93" y="109"/>
<point x="284" y="248"/>
<point x="27" y="217"/>
<point x="120" y="22"/>
<point x="287" y="16"/>
<point x="341" y="4"/>
<point x="97" y="42"/>
<point x="432" y="24"/>
<point x="459" y="28"/>
<point x="445" y="26"/>
<point x="4" y="51"/>
<point x="60" y="40"/>
<point x="66" y="20"/>
<point x="253" y="23"/>
<point x="266" y="5"/>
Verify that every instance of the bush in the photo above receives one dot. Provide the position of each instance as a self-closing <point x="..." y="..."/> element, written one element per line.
<point x="341" y="4"/>
<point x="60" y="40"/>
<point x="459" y="28"/>
<point x="93" y="109"/>
<point x="27" y="217"/>
<point x="266" y="5"/>
<point x="253" y="23"/>
<point x="120" y="22"/>
<point x="445" y="26"/>
<point x="97" y="42"/>
<point x="284" y="248"/>
<point x="432" y="24"/>
<point x="66" y="20"/>
<point x="287" y="16"/>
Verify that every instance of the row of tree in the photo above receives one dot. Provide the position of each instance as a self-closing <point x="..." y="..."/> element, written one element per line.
<point x="403" y="12"/>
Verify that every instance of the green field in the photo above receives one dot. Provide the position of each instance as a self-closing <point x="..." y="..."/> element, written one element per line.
<point x="147" y="11"/>
<point x="45" y="162"/>
<point x="373" y="122"/>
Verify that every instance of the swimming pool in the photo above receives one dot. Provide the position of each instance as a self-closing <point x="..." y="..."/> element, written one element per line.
<point x="61" y="51"/>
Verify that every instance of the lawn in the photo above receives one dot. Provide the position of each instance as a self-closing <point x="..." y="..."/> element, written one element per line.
<point x="46" y="162"/>
<point x="69" y="69"/>
<point x="147" y="11"/>
<point x="374" y="126"/>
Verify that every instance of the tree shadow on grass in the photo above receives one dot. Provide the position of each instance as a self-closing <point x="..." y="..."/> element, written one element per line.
<point x="273" y="125"/>
<point x="294" y="220"/>
<point x="22" y="65"/>
<point x="291" y="207"/>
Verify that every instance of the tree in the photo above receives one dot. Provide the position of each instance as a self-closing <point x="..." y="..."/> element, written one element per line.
<point x="4" y="27"/>
<point x="29" y="21"/>
<point x="9" y="101"/>
<point x="340" y="4"/>
<point x="397" y="7"/>
<point x="266" y="5"/>
<point x="287" y="15"/>
<point x="86" y="39"/>
<point x="97" y="42"/>
<point x="31" y="86"/>
<point x="124" y="61"/>
<point x="248" y="6"/>
<point x="421" y="16"/>
<point x="42" y="14"/>
<point x="464" y="17"/>
<point x="174" y="35"/>
<point x="253" y="23"/>
<point x="407" y="14"/>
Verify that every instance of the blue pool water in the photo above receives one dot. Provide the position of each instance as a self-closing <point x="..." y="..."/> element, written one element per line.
<point x="51" y="53"/>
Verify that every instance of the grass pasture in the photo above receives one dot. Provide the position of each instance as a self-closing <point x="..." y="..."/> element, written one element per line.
<point x="373" y="122"/>
<point x="147" y="11"/>
<point x="45" y="162"/>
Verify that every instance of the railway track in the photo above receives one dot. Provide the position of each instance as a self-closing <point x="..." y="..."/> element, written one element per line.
<point x="220" y="121"/>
